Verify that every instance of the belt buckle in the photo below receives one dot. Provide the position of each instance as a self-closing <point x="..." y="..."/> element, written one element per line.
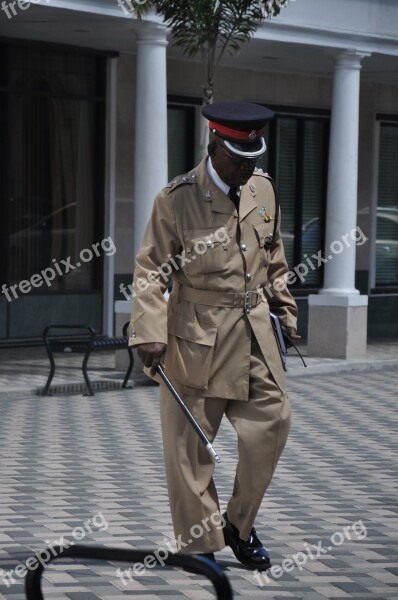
<point x="247" y="302"/>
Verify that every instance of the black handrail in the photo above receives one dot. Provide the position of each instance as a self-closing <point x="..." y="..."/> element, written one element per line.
<point x="195" y="564"/>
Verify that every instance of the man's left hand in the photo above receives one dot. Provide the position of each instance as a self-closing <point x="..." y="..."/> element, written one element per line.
<point x="292" y="331"/>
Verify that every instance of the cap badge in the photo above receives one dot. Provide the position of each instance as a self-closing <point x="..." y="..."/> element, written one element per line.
<point x="252" y="135"/>
<point x="265" y="215"/>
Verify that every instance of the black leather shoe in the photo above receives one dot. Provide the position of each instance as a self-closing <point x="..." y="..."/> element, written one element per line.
<point x="250" y="552"/>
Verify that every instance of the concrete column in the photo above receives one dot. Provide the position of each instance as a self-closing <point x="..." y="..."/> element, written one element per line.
<point x="341" y="214"/>
<point x="150" y="123"/>
<point x="338" y="315"/>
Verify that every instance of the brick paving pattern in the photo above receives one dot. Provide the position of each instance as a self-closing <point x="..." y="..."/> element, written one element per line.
<point x="65" y="459"/>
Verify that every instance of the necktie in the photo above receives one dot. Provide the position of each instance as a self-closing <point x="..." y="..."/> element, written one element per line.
<point x="233" y="195"/>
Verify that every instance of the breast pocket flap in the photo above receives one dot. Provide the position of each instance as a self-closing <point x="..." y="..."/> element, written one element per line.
<point x="264" y="233"/>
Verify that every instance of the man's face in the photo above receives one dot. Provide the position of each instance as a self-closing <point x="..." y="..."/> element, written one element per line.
<point x="230" y="168"/>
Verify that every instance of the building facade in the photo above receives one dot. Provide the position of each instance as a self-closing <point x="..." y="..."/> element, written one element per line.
<point x="99" y="110"/>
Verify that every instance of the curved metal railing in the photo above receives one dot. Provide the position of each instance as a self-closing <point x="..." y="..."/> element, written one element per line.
<point x="194" y="564"/>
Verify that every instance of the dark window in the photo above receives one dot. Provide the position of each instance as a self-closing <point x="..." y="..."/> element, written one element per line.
<point x="297" y="159"/>
<point x="387" y="207"/>
<point x="181" y="138"/>
<point x="52" y="160"/>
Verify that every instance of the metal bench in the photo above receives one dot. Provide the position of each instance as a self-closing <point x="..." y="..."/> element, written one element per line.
<point x="83" y="343"/>
<point x="194" y="564"/>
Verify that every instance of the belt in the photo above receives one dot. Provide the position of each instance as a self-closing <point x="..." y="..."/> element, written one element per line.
<point x="246" y="300"/>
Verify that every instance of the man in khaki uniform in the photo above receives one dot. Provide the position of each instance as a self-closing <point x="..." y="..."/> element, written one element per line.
<point x="215" y="233"/>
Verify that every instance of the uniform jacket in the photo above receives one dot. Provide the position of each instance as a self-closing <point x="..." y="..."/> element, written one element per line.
<point x="196" y="239"/>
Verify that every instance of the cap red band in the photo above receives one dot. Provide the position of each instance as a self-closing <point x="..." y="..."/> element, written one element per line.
<point x="235" y="134"/>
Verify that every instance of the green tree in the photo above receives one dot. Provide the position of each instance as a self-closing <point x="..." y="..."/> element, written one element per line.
<point x="210" y="28"/>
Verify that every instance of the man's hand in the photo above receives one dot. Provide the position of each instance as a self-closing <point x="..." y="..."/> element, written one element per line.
<point x="293" y="333"/>
<point x="152" y="355"/>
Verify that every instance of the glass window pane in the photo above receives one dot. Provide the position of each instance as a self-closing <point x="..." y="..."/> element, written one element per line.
<point x="387" y="207"/>
<point x="51" y="204"/>
<point x="180" y="126"/>
<point x="312" y="195"/>
<point x="286" y="160"/>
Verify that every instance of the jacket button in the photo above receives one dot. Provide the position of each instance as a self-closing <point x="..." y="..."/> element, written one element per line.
<point x="248" y="276"/>
<point x="244" y="247"/>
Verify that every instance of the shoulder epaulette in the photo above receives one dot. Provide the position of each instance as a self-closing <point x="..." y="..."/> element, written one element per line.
<point x="181" y="180"/>
<point x="258" y="171"/>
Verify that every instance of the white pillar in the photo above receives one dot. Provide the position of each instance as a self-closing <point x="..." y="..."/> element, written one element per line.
<point x="150" y="123"/>
<point x="337" y="324"/>
<point x="341" y="213"/>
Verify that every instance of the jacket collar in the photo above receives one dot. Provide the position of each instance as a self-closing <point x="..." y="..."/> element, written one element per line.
<point x="219" y="200"/>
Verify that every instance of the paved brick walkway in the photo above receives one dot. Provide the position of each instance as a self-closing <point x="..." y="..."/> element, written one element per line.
<point x="79" y="466"/>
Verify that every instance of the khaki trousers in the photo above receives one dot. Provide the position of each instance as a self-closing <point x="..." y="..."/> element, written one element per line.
<point x="262" y="425"/>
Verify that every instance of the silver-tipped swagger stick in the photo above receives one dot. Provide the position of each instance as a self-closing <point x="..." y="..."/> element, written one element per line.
<point x="189" y="415"/>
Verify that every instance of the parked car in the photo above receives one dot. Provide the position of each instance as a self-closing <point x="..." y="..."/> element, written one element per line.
<point x="387" y="246"/>
<point x="38" y="241"/>
<point x="386" y="241"/>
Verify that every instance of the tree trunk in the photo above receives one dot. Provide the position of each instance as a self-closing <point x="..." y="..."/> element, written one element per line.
<point x="208" y="96"/>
